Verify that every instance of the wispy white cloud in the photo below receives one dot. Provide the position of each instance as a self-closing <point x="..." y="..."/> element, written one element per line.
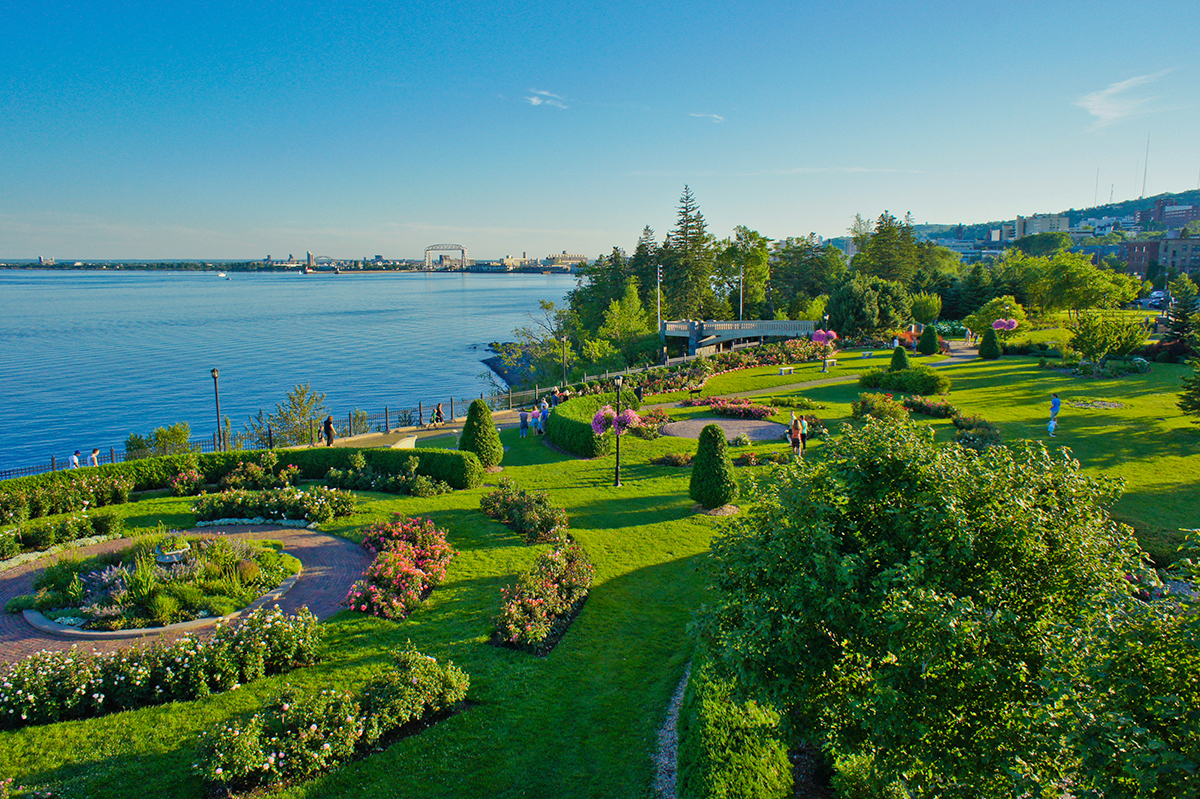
<point x="713" y="117"/>
<point x="1119" y="101"/>
<point x="800" y="170"/>
<point x="539" y="97"/>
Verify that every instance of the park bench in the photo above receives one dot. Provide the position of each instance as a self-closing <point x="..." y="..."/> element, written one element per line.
<point x="786" y="370"/>
<point x="694" y="392"/>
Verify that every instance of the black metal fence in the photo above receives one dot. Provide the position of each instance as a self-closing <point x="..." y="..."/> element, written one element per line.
<point x="356" y="422"/>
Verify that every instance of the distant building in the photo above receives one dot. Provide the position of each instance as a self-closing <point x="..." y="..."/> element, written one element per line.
<point x="1004" y="233"/>
<point x="565" y="259"/>
<point x="1139" y="254"/>
<point x="1179" y="253"/>
<point x="1040" y="223"/>
<point x="1166" y="214"/>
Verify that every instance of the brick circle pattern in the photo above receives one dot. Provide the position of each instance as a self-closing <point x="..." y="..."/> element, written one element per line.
<point x="331" y="565"/>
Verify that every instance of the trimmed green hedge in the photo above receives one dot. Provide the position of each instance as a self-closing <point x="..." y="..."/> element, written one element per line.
<point x="729" y="749"/>
<point x="570" y="425"/>
<point x="922" y="380"/>
<point x="459" y="469"/>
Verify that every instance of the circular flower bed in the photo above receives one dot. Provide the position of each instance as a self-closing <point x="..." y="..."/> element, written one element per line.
<point x="160" y="580"/>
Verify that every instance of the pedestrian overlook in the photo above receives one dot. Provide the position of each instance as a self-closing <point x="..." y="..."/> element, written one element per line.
<point x="707" y="336"/>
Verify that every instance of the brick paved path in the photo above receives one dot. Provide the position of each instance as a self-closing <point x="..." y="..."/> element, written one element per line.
<point x="331" y="564"/>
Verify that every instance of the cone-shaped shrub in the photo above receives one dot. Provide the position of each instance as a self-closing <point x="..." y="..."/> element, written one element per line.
<point x="989" y="347"/>
<point x="928" y="344"/>
<point x="899" y="359"/>
<point x="712" y="473"/>
<point x="480" y="435"/>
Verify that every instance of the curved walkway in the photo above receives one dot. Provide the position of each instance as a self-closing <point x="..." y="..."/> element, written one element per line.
<point x="331" y="565"/>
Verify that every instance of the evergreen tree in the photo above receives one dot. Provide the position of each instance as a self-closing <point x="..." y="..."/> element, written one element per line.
<point x="1183" y="307"/>
<point x="989" y="347"/>
<point x="687" y="259"/>
<point x="928" y="344"/>
<point x="712" y="483"/>
<point x="480" y="435"/>
<point x="899" y="359"/>
<point x="892" y="251"/>
<point x="1189" y="398"/>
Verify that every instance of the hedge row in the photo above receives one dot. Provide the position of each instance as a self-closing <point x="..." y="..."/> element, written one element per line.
<point x="459" y="469"/>
<point x="729" y="748"/>
<point x="921" y="380"/>
<point x="570" y="425"/>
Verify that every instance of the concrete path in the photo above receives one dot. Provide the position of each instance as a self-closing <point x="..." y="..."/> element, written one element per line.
<point x="331" y="565"/>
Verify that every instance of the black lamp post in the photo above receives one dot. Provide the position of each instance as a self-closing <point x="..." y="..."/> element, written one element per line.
<point x="825" y="348"/>
<point x="617" y="431"/>
<point x="217" y="394"/>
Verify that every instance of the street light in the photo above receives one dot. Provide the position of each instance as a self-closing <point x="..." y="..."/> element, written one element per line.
<point x="217" y="394"/>
<point x="617" y="430"/>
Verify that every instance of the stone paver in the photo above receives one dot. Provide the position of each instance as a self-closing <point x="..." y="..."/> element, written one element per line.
<point x="331" y="565"/>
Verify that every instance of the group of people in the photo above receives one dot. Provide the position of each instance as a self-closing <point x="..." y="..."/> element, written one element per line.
<point x="798" y="435"/>
<point x="92" y="460"/>
<point x="538" y="415"/>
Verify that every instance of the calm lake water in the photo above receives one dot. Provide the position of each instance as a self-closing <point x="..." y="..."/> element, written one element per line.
<point x="92" y="356"/>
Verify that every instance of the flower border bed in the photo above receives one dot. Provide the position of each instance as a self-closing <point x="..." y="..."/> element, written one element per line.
<point x="542" y="586"/>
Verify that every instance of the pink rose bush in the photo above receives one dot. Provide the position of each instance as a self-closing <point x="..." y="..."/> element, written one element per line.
<point x="540" y="604"/>
<point x="411" y="557"/>
<point x="607" y="419"/>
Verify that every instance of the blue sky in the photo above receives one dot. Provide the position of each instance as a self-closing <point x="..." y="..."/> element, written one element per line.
<point x="237" y="130"/>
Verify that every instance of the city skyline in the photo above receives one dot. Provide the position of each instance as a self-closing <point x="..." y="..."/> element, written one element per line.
<point x="229" y="131"/>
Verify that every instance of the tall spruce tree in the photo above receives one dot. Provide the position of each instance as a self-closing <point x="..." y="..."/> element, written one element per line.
<point x="1183" y="307"/>
<point x="480" y="435"/>
<point x="687" y="258"/>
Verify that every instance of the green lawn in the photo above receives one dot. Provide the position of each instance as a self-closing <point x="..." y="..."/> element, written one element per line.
<point x="582" y="721"/>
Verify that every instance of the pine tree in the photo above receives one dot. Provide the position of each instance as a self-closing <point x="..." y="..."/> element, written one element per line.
<point x="712" y="482"/>
<point x="480" y="435"/>
<point x="899" y="359"/>
<point x="928" y="344"/>
<point x="989" y="347"/>
<point x="1183" y="307"/>
<point x="1189" y="398"/>
<point x="687" y="259"/>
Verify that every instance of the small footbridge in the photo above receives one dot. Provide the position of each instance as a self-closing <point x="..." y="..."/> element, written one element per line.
<point x="708" y="335"/>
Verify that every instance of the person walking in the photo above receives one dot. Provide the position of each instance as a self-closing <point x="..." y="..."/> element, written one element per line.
<point x="1055" y="404"/>
<point x="327" y="429"/>
<point x="438" y="416"/>
<point x="524" y="423"/>
<point x="1052" y="426"/>
<point x="75" y="460"/>
<point x="795" y="435"/>
<point x="94" y="458"/>
<point x="803" y="436"/>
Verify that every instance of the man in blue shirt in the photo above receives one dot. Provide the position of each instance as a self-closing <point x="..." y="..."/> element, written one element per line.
<point x="1055" y="402"/>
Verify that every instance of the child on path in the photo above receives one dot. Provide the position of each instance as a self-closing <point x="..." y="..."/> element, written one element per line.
<point x="1052" y="426"/>
<point x="537" y="420"/>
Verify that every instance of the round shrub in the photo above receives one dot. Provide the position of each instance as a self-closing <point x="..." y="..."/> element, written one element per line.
<point x="928" y="344"/>
<point x="899" y="359"/>
<point x="989" y="347"/>
<point x="480" y="435"/>
<point x="712" y="482"/>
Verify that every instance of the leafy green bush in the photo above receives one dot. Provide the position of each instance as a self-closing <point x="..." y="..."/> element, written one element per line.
<point x="899" y="359"/>
<point x="989" y="346"/>
<point x="42" y="534"/>
<point x="480" y="435"/>
<point x="305" y="733"/>
<point x="928" y="344"/>
<point x="923" y="380"/>
<point x="975" y="432"/>
<point x="530" y="513"/>
<point x="56" y="686"/>
<point x="879" y="406"/>
<point x="712" y="483"/>
<point x="729" y="748"/>
<point x="361" y="477"/>
<point x="570" y="426"/>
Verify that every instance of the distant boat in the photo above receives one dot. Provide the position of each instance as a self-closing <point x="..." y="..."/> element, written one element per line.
<point x="221" y="274"/>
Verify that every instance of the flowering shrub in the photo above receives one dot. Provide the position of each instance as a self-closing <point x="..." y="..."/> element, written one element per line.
<point x="975" y="432"/>
<point x="411" y="557"/>
<point x="75" y="490"/>
<point x="304" y="734"/>
<point x="824" y="340"/>
<point x="740" y="440"/>
<point x="938" y="410"/>
<point x="55" y="686"/>
<point x="540" y="605"/>
<point x="676" y="459"/>
<point x="186" y="483"/>
<point x="880" y="406"/>
<point x="362" y="477"/>
<point x="740" y="410"/>
<point x="260" y="476"/>
<point x="607" y="419"/>
<point x="529" y="512"/>
<point x="651" y="424"/>
<point x="316" y="504"/>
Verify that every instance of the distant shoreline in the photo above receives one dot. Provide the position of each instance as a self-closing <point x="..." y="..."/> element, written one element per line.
<point x="251" y="269"/>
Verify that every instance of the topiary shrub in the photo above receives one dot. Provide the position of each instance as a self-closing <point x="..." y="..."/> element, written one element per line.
<point x="989" y="347"/>
<point x="712" y="482"/>
<point x="899" y="359"/>
<point x="480" y="435"/>
<point x="928" y="344"/>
